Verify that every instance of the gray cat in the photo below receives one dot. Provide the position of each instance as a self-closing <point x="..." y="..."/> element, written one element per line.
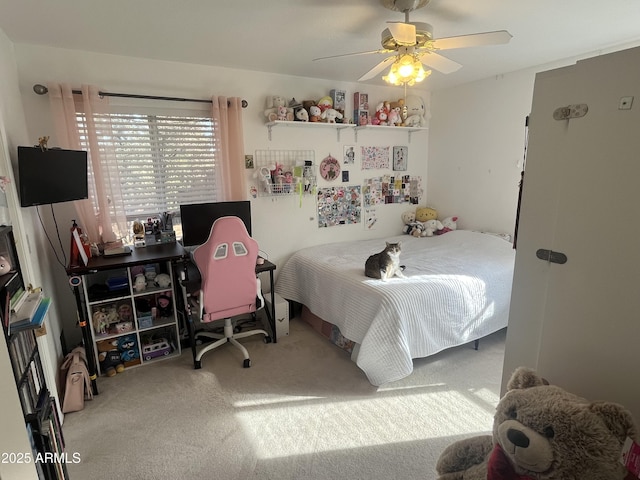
<point x="385" y="264"/>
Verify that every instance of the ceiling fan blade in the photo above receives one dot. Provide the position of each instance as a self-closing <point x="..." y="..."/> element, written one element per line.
<point x="440" y="63"/>
<point x="403" y="33"/>
<point x="473" y="40"/>
<point x="377" y="69"/>
<point x="382" y="50"/>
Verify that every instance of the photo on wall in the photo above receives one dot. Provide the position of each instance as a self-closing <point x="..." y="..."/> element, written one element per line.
<point x="349" y="155"/>
<point x="400" y="158"/>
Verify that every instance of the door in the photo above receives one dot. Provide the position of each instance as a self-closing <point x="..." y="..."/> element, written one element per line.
<point x="578" y="323"/>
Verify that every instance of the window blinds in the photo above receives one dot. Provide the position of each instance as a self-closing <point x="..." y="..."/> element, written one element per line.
<point x="162" y="160"/>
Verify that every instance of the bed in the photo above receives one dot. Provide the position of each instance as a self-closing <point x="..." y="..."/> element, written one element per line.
<point x="457" y="289"/>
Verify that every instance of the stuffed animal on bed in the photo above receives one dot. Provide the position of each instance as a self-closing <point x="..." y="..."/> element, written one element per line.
<point x="431" y="227"/>
<point x="426" y="213"/>
<point x="448" y="224"/>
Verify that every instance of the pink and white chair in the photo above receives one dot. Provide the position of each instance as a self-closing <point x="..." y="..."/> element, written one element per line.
<point x="229" y="284"/>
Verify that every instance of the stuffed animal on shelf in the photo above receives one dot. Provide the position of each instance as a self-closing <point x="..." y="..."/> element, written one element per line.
<point x="282" y="113"/>
<point x="382" y="114"/>
<point x="163" y="280"/>
<point x="273" y="104"/>
<point x="416" y="115"/>
<point x="301" y="114"/>
<point x="331" y="115"/>
<point x="543" y="432"/>
<point x="109" y="357"/>
<point x="164" y="309"/>
<point x="128" y="348"/>
<point x="395" y="114"/>
<point x="448" y="224"/>
<point x="315" y="114"/>
<point x="140" y="282"/>
<point x="325" y="103"/>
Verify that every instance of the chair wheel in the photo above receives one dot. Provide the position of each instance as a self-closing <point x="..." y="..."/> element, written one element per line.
<point x="267" y="339"/>
<point x="247" y="363"/>
<point x="197" y="364"/>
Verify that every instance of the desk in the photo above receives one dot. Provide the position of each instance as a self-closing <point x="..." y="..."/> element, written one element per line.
<point x="168" y="252"/>
<point x="270" y="267"/>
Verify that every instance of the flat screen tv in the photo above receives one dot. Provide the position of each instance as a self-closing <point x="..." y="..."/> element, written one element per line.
<point x="197" y="218"/>
<point x="51" y="176"/>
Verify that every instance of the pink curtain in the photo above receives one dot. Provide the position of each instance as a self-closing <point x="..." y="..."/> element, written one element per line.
<point x="102" y="219"/>
<point x="229" y="140"/>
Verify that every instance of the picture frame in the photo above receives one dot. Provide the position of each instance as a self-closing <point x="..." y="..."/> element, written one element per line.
<point x="400" y="158"/>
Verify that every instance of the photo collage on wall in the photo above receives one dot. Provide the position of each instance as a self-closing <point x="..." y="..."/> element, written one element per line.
<point x="339" y="206"/>
<point x="390" y="189"/>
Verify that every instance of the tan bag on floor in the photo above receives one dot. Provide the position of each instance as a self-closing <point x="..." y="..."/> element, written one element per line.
<point x="78" y="384"/>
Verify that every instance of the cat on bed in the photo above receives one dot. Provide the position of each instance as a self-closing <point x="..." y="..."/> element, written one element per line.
<point x="385" y="264"/>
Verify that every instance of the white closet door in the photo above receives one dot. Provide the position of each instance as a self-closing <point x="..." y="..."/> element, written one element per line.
<point x="578" y="323"/>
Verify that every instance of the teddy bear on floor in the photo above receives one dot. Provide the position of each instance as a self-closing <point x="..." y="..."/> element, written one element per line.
<point x="543" y="432"/>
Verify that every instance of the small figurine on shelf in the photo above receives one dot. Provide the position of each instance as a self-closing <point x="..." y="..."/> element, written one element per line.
<point x="140" y="283"/>
<point x="100" y="322"/>
<point x="164" y="306"/>
<point x="125" y="312"/>
<point x="163" y="280"/>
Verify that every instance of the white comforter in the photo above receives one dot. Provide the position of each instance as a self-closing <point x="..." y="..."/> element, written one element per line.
<point x="457" y="289"/>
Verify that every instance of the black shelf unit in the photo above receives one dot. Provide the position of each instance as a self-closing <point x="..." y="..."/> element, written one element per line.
<point x="38" y="406"/>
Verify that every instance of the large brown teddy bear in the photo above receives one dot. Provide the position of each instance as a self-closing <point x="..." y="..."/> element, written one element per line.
<point x="542" y="432"/>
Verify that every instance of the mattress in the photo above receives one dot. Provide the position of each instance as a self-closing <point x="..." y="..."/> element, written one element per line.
<point x="457" y="289"/>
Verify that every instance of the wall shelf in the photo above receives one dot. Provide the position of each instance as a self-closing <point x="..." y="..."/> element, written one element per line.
<point x="409" y="130"/>
<point x="336" y="126"/>
<point x="341" y="126"/>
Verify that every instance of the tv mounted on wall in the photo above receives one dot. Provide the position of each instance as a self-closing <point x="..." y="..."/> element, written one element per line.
<point x="197" y="218"/>
<point x="53" y="175"/>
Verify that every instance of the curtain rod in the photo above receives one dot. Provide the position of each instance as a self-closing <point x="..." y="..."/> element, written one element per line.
<point x="42" y="90"/>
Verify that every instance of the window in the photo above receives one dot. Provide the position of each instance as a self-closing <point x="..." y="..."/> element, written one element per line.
<point x="162" y="160"/>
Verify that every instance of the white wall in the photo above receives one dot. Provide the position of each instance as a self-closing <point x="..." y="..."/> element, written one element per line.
<point x="280" y="225"/>
<point x="14" y="436"/>
<point x="476" y="147"/>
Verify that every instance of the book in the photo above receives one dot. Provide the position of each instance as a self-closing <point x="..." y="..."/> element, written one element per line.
<point x="36" y="319"/>
<point x="23" y="312"/>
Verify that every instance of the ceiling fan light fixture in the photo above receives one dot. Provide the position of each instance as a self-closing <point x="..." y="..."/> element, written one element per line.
<point x="406" y="70"/>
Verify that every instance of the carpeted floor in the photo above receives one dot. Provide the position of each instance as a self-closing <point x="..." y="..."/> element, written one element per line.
<point x="303" y="411"/>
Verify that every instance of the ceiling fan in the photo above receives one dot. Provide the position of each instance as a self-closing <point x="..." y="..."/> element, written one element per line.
<point x="412" y="44"/>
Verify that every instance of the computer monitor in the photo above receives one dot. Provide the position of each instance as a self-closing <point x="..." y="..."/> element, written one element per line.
<point x="197" y="218"/>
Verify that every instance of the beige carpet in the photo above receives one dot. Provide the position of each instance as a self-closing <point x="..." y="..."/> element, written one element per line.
<point x="302" y="411"/>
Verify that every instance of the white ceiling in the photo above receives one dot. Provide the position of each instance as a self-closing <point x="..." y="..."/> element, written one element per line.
<point x="283" y="36"/>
